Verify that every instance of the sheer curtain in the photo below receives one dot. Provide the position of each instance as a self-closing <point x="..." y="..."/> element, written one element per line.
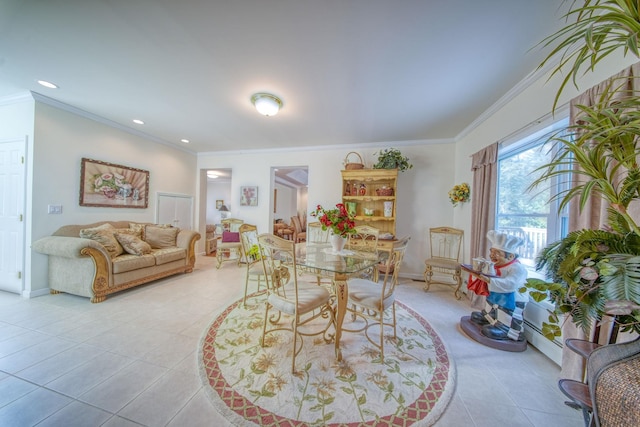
<point x="594" y="214"/>
<point x="483" y="205"/>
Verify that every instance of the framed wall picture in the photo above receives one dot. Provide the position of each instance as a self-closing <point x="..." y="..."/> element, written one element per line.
<point x="105" y="184"/>
<point x="219" y="204"/>
<point x="248" y="196"/>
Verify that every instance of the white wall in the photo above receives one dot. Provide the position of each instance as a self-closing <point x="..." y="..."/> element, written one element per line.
<point x="286" y="203"/>
<point x="422" y="191"/>
<point x="61" y="139"/>
<point x="217" y="191"/>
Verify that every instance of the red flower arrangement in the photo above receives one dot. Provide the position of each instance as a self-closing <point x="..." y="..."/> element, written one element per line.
<point x="337" y="220"/>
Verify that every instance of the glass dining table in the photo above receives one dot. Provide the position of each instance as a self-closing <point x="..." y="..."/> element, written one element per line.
<point x="321" y="259"/>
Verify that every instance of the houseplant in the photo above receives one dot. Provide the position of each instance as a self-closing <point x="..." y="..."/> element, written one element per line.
<point x="392" y="158"/>
<point x="339" y="221"/>
<point x="595" y="272"/>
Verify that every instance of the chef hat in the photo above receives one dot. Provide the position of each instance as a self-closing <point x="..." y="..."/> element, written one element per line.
<point x="503" y="241"/>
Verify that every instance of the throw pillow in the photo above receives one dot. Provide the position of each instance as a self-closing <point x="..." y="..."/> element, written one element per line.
<point x="139" y="228"/>
<point x="130" y="231"/>
<point x="230" y="236"/>
<point x="133" y="244"/>
<point x="160" y="237"/>
<point x="104" y="235"/>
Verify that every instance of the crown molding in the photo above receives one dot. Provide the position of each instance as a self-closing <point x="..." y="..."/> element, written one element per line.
<point x="530" y="79"/>
<point x="96" y="118"/>
<point x="16" y="98"/>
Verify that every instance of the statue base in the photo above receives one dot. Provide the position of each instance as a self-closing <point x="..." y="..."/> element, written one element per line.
<point x="474" y="331"/>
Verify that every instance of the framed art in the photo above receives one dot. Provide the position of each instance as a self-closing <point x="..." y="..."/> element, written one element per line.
<point x="219" y="204"/>
<point x="105" y="184"/>
<point x="248" y="196"/>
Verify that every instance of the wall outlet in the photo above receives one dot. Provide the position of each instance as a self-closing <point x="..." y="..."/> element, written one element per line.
<point x="54" y="209"/>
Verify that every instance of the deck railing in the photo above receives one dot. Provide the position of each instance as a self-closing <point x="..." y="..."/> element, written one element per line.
<point x="534" y="240"/>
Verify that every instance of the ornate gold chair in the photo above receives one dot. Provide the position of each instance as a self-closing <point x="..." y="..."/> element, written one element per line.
<point x="444" y="244"/>
<point x="300" y="302"/>
<point x="251" y="253"/>
<point x="230" y="242"/>
<point x="366" y="239"/>
<point x="369" y="300"/>
<point x="315" y="233"/>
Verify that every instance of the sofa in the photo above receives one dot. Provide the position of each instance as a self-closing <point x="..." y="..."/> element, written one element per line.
<point x="102" y="258"/>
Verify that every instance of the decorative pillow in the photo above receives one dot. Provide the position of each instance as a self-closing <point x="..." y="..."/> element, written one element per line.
<point x="230" y="236"/>
<point x="139" y="228"/>
<point x="104" y="235"/>
<point x="131" y="231"/>
<point x="160" y="237"/>
<point x="132" y="244"/>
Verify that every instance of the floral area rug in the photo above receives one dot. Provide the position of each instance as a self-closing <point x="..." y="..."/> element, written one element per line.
<point x="251" y="385"/>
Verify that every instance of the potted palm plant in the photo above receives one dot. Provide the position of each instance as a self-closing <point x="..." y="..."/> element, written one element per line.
<point x="595" y="272"/>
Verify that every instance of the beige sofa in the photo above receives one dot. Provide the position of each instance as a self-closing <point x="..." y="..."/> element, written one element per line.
<point x="94" y="266"/>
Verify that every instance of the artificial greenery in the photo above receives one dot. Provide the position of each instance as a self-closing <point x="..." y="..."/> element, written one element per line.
<point x="392" y="158"/>
<point x="254" y="252"/>
<point x="595" y="272"/>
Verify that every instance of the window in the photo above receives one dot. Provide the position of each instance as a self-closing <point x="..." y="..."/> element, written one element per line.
<point x="529" y="214"/>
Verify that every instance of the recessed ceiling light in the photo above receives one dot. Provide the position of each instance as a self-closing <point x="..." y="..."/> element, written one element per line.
<point x="138" y="121"/>
<point x="186" y="141"/>
<point x="47" y="84"/>
<point x="212" y="175"/>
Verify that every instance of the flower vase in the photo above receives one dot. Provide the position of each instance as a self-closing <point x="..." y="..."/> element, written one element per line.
<point x="337" y="242"/>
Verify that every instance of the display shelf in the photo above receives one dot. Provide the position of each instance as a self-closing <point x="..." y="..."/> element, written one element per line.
<point x="359" y="192"/>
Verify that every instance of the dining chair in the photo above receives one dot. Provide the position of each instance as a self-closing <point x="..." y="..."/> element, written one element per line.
<point x="251" y="253"/>
<point x="371" y="301"/>
<point x="315" y="233"/>
<point x="299" y="232"/>
<point x="230" y="242"/>
<point x="365" y="239"/>
<point x="445" y="244"/>
<point x="301" y="302"/>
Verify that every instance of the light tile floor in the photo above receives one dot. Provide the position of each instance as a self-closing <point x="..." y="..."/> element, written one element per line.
<point x="132" y="359"/>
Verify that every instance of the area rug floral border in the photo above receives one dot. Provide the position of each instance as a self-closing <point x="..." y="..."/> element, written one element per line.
<point x="413" y="387"/>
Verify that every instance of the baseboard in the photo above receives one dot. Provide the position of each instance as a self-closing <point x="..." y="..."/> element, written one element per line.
<point x="36" y="293"/>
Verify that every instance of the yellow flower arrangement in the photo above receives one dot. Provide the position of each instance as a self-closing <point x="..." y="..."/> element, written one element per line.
<point x="459" y="193"/>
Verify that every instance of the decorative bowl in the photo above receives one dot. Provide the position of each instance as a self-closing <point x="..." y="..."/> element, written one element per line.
<point x="368" y="212"/>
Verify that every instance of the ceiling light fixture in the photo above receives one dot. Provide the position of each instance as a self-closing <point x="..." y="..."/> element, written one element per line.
<point x="47" y="84"/>
<point x="266" y="104"/>
<point x="186" y="141"/>
<point x="211" y="174"/>
<point x="138" y="121"/>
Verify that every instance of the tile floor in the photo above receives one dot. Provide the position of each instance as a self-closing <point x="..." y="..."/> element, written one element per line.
<point x="132" y="359"/>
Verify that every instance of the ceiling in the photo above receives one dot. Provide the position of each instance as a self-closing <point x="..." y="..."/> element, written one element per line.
<point x="348" y="72"/>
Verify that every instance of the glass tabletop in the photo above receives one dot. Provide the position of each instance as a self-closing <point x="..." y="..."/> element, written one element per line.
<point x="322" y="257"/>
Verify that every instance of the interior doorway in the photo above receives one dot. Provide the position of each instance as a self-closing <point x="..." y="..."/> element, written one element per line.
<point x="290" y="192"/>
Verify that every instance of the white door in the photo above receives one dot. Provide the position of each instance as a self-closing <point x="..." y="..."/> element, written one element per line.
<point x="175" y="209"/>
<point x="12" y="191"/>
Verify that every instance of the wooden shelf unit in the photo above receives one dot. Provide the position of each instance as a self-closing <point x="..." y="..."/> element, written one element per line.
<point x="372" y="179"/>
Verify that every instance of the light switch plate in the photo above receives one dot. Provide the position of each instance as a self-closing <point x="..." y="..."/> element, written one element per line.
<point x="54" y="209"/>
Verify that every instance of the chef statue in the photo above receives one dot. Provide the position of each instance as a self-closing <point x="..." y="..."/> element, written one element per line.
<point x="501" y="318"/>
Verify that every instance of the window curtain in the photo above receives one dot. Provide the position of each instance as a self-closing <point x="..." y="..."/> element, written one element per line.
<point x="594" y="214"/>
<point x="483" y="205"/>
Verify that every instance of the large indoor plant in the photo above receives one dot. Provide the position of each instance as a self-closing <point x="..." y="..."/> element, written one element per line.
<point x="595" y="272"/>
<point x="392" y="158"/>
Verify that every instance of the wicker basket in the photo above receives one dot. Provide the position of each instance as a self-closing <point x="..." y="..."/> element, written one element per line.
<point x="384" y="191"/>
<point x="350" y="166"/>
